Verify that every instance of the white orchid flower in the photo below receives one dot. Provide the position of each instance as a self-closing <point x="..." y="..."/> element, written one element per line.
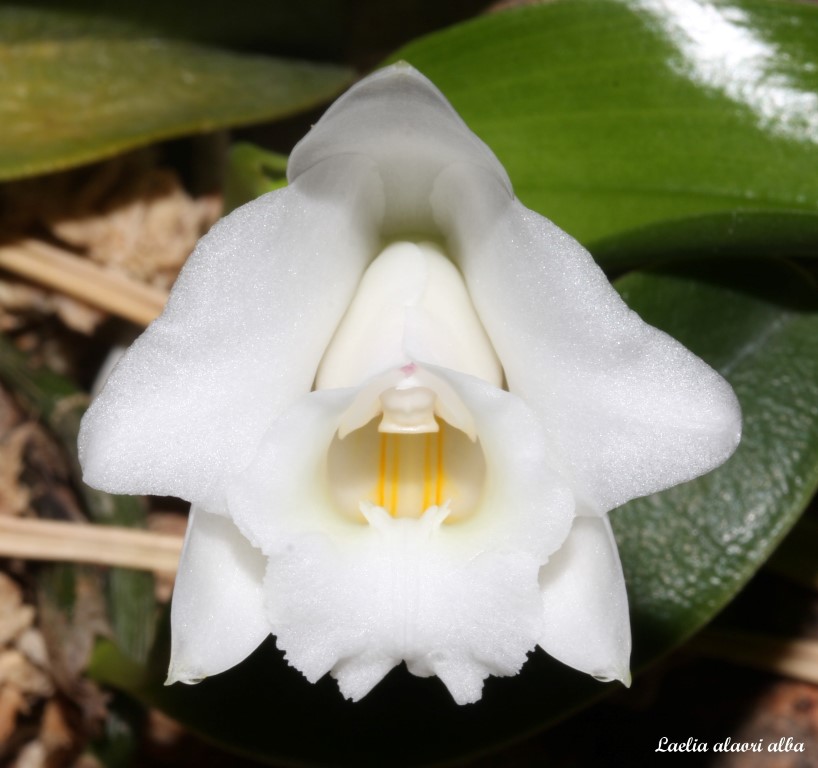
<point x="402" y="405"/>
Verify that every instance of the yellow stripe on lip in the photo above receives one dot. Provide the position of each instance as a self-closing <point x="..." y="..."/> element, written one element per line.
<point x="411" y="473"/>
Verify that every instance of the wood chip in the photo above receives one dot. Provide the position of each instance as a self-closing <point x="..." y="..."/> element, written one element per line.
<point x="32" y="645"/>
<point x="55" y="732"/>
<point x="32" y="755"/>
<point x="14" y="495"/>
<point x="18" y="671"/>
<point x="15" y="617"/>
<point x="12" y="703"/>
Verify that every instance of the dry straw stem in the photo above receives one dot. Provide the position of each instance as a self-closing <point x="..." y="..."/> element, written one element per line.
<point x="83" y="543"/>
<point x="791" y="657"/>
<point x="75" y="276"/>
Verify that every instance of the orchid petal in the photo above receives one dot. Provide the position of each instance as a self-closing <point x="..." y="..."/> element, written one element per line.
<point x="529" y="507"/>
<point x="247" y="323"/>
<point x="628" y="409"/>
<point x="283" y="491"/>
<point x="586" y="623"/>
<point x="217" y="615"/>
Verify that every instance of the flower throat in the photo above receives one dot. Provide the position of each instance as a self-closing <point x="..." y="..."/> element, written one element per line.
<point x="411" y="316"/>
<point x="406" y="474"/>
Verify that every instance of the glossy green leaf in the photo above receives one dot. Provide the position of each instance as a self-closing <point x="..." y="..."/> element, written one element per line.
<point x="73" y="91"/>
<point x="647" y="125"/>
<point x="689" y="550"/>
<point x="686" y="552"/>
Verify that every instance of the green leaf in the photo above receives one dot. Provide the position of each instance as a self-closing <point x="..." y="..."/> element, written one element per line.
<point x="685" y="552"/>
<point x="642" y="126"/>
<point x="73" y="90"/>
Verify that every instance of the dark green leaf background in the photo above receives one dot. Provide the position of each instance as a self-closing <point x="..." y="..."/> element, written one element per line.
<point x="637" y="131"/>
<point x="688" y="550"/>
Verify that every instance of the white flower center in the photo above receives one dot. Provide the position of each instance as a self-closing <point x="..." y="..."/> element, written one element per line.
<point x="407" y="442"/>
<point x="406" y="474"/>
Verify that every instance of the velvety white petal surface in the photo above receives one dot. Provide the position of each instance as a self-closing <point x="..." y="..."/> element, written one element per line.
<point x="628" y="409"/>
<point x="586" y="622"/>
<point x="411" y="304"/>
<point x="245" y="328"/>
<point x="400" y="591"/>
<point x="455" y="600"/>
<point x="284" y="490"/>
<point x="217" y="616"/>
<point x="527" y="505"/>
<point x="406" y="126"/>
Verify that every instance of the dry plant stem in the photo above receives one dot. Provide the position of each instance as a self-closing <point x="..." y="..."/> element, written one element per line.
<point x="792" y="657"/>
<point x="95" y="544"/>
<point x="82" y="279"/>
